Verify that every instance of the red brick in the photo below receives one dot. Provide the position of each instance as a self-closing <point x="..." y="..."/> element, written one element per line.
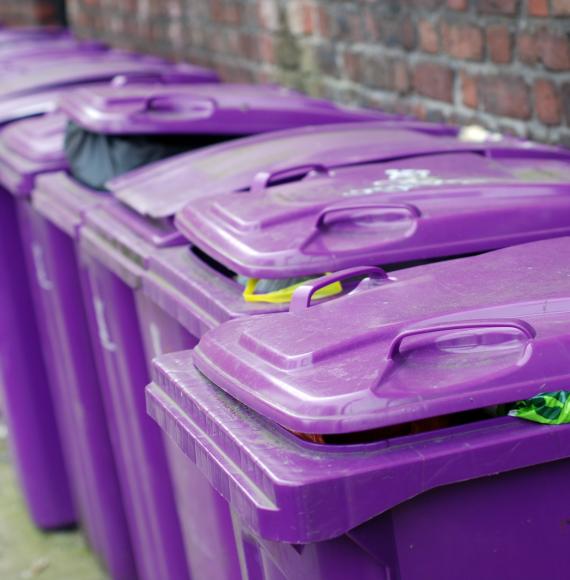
<point x="388" y="74"/>
<point x="434" y="81"/>
<point x="463" y="41"/>
<point x="537" y="7"/>
<point x="547" y="102"/>
<point x="469" y="91"/>
<point x="554" y="50"/>
<point x="499" y="44"/>
<point x="408" y="34"/>
<point x="527" y="48"/>
<point x="429" y="38"/>
<point x="498" y="6"/>
<point x="309" y="16"/>
<point x="401" y="77"/>
<point x="560" y="7"/>
<point x="352" y="65"/>
<point x="231" y="14"/>
<point x="266" y="47"/>
<point x="507" y="96"/>
<point x="460" y="5"/>
<point x="323" y="26"/>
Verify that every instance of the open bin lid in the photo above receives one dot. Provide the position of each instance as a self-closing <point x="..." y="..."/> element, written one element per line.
<point x="226" y="109"/>
<point x="114" y="129"/>
<point x="233" y="166"/>
<point x="418" y="197"/>
<point x="41" y="139"/>
<point x="420" y="343"/>
<point x="89" y="68"/>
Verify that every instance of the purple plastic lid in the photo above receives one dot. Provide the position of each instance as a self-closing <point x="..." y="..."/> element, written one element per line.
<point x="233" y="166"/>
<point x="22" y="106"/>
<point x="27" y="33"/>
<point x="420" y="343"/>
<point x="90" y="68"/>
<point x="208" y="109"/>
<point x="418" y="197"/>
<point x="31" y="147"/>
<point x="37" y="139"/>
<point x="58" y="48"/>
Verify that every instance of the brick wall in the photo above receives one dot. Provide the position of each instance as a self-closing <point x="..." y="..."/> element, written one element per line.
<point x="502" y="63"/>
<point x="32" y="12"/>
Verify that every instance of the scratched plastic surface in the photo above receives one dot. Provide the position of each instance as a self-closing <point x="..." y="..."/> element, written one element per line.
<point x="228" y="109"/>
<point x="417" y="197"/>
<point x="439" y="504"/>
<point x="419" y="343"/>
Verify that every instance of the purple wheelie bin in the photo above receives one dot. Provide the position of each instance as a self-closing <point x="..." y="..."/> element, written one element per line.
<point x="366" y="437"/>
<point x="280" y="185"/>
<point x="198" y="115"/>
<point x="33" y="434"/>
<point x="28" y="149"/>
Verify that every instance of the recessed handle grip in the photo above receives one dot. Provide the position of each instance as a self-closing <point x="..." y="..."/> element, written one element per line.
<point x="264" y="178"/>
<point x="513" y="323"/>
<point x="301" y="298"/>
<point x="187" y="106"/>
<point x="413" y="210"/>
<point x="142" y="77"/>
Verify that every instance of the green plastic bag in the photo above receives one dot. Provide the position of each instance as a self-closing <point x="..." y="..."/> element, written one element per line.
<point x="547" y="408"/>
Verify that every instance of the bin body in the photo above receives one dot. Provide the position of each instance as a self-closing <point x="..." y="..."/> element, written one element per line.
<point x="309" y="423"/>
<point x="486" y="527"/>
<point x="27" y="403"/>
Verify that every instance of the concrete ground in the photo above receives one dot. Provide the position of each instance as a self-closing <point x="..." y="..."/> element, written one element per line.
<point x="26" y="552"/>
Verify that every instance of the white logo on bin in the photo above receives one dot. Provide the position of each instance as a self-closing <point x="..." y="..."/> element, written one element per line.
<point x="104" y="334"/>
<point x="42" y="276"/>
<point x="406" y="180"/>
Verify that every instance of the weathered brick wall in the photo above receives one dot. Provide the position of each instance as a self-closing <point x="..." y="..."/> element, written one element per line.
<point x="31" y="12"/>
<point x="502" y="63"/>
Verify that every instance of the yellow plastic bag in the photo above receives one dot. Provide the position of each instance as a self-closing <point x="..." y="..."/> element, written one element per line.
<point x="284" y="295"/>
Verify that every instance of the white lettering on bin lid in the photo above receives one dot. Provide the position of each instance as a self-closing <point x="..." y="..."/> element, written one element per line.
<point x="406" y="180"/>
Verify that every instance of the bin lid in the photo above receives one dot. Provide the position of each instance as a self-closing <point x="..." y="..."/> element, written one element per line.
<point x="89" y="68"/>
<point x="227" y="109"/>
<point x="35" y="55"/>
<point x="232" y="166"/>
<point x="54" y="46"/>
<point x="422" y="197"/>
<point x="22" y="106"/>
<point x="39" y="139"/>
<point x="31" y="147"/>
<point x="420" y="343"/>
<point x="27" y="33"/>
